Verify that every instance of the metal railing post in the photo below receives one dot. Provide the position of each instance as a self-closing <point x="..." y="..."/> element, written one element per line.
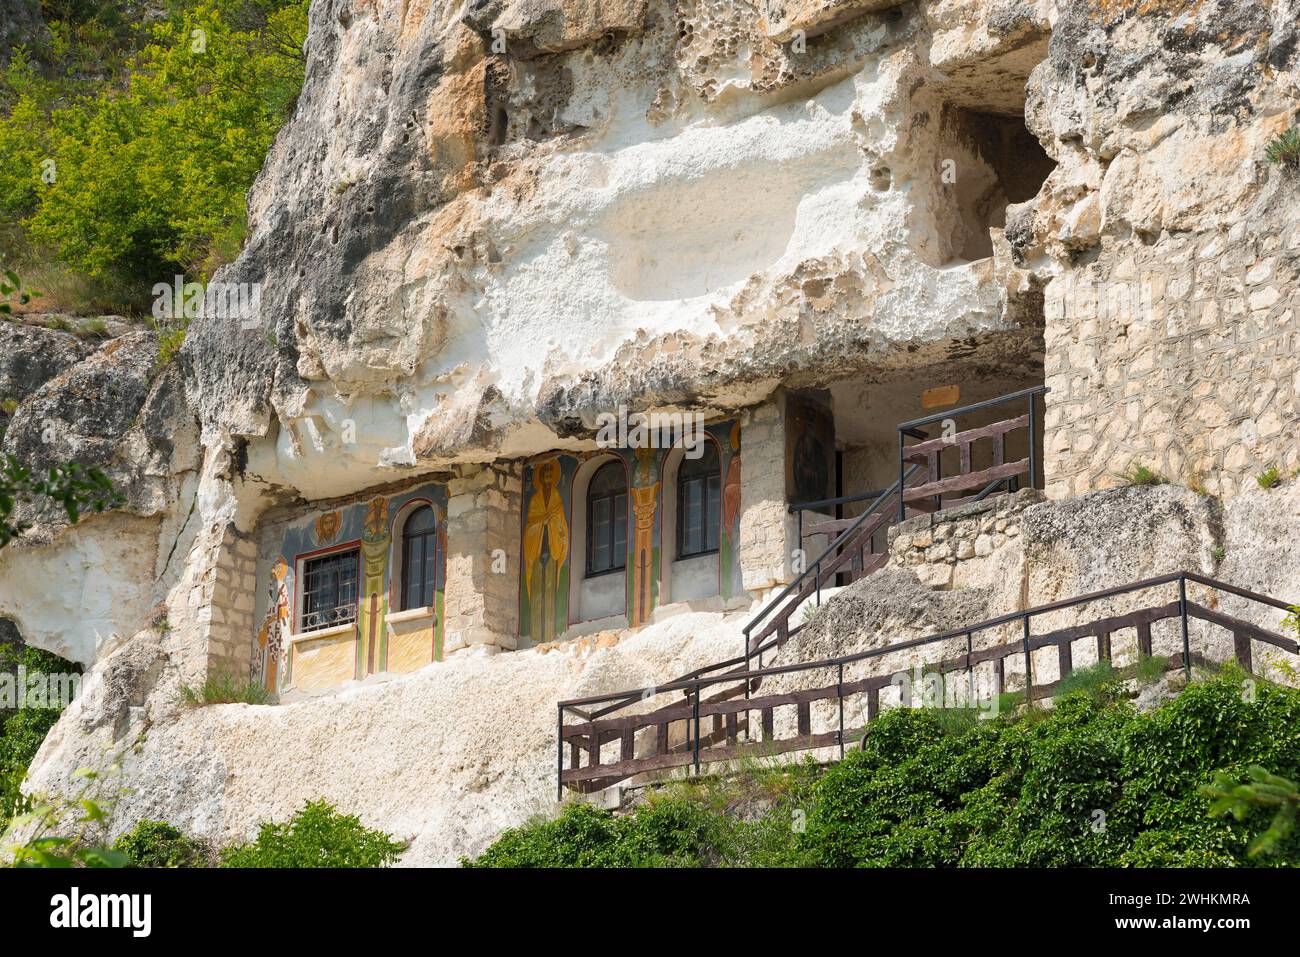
<point x="902" y="506"/>
<point x="839" y="693"/>
<point x="1029" y="665"/>
<point x="697" y="728"/>
<point x="1033" y="442"/>
<point x="1182" y="611"/>
<point x="559" y="752"/>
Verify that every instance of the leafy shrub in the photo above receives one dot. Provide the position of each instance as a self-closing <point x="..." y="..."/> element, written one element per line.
<point x="688" y="824"/>
<point x="317" y="836"/>
<point x="1089" y="782"/>
<point x="159" y="844"/>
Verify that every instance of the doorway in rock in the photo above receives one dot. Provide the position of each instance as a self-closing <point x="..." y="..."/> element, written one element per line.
<point x="865" y="413"/>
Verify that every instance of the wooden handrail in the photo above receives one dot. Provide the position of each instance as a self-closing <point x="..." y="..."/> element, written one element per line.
<point x="729" y="714"/>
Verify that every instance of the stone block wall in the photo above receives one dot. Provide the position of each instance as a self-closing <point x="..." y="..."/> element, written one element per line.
<point x="216" y="604"/>
<point x="1181" y="356"/>
<point x="973" y="546"/>
<point x="766" y="528"/>
<point x="483" y="540"/>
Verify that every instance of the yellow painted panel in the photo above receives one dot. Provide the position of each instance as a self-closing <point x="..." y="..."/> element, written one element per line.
<point x="940" y="396"/>
<point x="324" y="663"/>
<point x="410" y="646"/>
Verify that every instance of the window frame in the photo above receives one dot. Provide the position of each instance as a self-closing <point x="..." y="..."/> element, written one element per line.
<point x="430" y="538"/>
<point x="612" y="497"/>
<point x="715" y="476"/>
<point x="301" y="594"/>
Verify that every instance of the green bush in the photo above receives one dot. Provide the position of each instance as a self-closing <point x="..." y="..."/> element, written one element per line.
<point x="687" y="824"/>
<point x="22" y="730"/>
<point x="317" y="836"/>
<point x="159" y="844"/>
<point x="140" y="172"/>
<point x="1088" y="782"/>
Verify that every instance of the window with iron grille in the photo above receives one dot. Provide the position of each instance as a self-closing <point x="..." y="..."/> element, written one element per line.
<point x="607" y="520"/>
<point x="699" y="494"/>
<point x="419" y="559"/>
<point x="329" y="590"/>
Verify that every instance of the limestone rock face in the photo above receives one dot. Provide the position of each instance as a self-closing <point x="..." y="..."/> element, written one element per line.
<point x="483" y="228"/>
<point x="111" y="409"/>
<point x="29" y="357"/>
<point x="457" y="752"/>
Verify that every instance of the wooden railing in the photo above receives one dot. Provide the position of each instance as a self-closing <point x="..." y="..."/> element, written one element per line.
<point x="850" y="550"/>
<point x="969" y="484"/>
<point x="609" y="738"/>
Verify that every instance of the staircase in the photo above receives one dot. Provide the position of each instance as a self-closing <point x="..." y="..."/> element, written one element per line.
<point x="921" y="488"/>
<point x="713" y="722"/>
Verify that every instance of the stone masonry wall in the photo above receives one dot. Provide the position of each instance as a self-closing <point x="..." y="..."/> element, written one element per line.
<point x="482" y="588"/>
<point x="1181" y="356"/>
<point x="766" y="528"/>
<point x="973" y="546"/>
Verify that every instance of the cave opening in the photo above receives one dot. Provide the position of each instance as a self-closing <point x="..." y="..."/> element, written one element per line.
<point x="1015" y="168"/>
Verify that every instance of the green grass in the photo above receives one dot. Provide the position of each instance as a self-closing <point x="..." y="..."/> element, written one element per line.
<point x="1137" y="474"/>
<point x="1098" y="680"/>
<point x="1284" y="149"/>
<point x="1151" y="668"/>
<point x="1271" y="477"/>
<point x="224" y="688"/>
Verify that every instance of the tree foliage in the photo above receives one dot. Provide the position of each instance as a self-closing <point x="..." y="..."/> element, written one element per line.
<point x="142" y="174"/>
<point x="74" y="487"/>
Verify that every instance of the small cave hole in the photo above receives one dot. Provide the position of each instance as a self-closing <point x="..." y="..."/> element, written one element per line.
<point x="996" y="162"/>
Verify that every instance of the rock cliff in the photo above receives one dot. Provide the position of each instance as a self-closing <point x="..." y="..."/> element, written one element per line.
<point x="488" y="222"/>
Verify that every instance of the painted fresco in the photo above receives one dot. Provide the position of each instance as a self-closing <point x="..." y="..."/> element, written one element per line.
<point x="643" y="563"/>
<point x="809" y="448"/>
<point x="547" y="533"/>
<point x="271" y="658"/>
<point x="544" y="604"/>
<point x="368" y="526"/>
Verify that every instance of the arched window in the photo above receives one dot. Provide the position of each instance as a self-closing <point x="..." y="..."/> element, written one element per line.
<point x="419" y="554"/>
<point x="699" y="493"/>
<point x="607" y="520"/>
